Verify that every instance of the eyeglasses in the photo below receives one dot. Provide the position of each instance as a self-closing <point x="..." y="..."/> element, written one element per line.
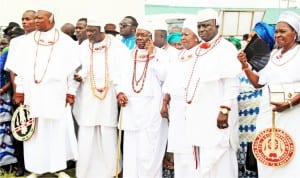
<point x="124" y="25"/>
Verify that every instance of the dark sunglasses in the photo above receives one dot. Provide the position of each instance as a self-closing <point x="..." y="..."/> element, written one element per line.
<point x="124" y="25"/>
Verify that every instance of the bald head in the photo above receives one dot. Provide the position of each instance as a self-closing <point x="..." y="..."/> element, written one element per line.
<point x="68" y="29"/>
<point x="44" y="20"/>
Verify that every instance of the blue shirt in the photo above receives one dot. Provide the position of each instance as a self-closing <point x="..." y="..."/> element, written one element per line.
<point x="129" y="42"/>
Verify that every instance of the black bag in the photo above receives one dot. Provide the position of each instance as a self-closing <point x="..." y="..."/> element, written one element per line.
<point x="251" y="162"/>
<point x="258" y="53"/>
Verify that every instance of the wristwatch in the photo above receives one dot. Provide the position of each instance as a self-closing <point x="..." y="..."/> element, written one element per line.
<point x="224" y="111"/>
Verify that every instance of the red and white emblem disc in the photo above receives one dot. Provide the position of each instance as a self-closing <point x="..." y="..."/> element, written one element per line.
<point x="273" y="149"/>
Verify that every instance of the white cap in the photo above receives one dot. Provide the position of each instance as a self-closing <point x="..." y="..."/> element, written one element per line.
<point x="208" y="14"/>
<point x="290" y="18"/>
<point x="93" y="21"/>
<point x="191" y="24"/>
<point x="146" y="25"/>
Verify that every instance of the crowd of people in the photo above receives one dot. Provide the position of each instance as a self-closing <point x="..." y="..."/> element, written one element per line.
<point x="136" y="101"/>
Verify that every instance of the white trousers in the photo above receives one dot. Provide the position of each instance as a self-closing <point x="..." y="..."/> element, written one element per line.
<point x="97" y="147"/>
<point x="184" y="165"/>
<point x="218" y="163"/>
<point x="144" y="151"/>
<point x="50" y="146"/>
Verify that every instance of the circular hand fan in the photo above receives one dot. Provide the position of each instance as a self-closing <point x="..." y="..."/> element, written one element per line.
<point x="257" y="52"/>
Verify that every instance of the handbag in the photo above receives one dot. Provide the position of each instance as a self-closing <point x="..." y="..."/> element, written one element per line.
<point x="283" y="92"/>
<point x="250" y="162"/>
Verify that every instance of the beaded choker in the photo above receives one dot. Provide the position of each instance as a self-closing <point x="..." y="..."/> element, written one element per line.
<point x="99" y="92"/>
<point x="277" y="59"/>
<point x="183" y="57"/>
<point x="43" y="43"/>
<point x="198" y="54"/>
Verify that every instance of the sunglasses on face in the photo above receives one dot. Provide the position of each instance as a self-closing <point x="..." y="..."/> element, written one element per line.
<point x="124" y="25"/>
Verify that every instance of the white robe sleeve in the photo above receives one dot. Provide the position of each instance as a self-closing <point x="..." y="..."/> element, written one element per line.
<point x="231" y="91"/>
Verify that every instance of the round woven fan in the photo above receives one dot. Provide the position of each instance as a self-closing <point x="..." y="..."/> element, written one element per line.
<point x="258" y="53"/>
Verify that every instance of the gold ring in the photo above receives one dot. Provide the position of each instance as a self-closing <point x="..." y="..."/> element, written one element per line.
<point x="121" y="102"/>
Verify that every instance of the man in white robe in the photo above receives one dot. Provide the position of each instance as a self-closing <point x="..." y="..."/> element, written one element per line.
<point x="140" y="95"/>
<point x="96" y="107"/>
<point x="212" y="88"/>
<point x="45" y="84"/>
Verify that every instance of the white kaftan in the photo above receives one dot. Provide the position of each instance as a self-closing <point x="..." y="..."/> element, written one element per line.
<point x="145" y="132"/>
<point x="214" y="82"/>
<point x="52" y="65"/>
<point x="98" y="118"/>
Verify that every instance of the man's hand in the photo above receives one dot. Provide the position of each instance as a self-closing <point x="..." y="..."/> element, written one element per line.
<point x="280" y="106"/>
<point x="18" y="98"/>
<point x="77" y="77"/>
<point x="222" y="121"/>
<point x="70" y="99"/>
<point x="149" y="46"/>
<point x="164" y="111"/>
<point x="122" y="99"/>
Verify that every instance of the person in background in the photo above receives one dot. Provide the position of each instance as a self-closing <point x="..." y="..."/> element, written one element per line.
<point x="173" y="106"/>
<point x="51" y="60"/>
<point x="80" y="30"/>
<point x="282" y="68"/>
<point x="249" y="101"/>
<point x="140" y="97"/>
<point x="69" y="29"/>
<point x="211" y="104"/>
<point x="244" y="41"/>
<point x="96" y="107"/>
<point x="4" y="42"/>
<point x="6" y="140"/>
<point x="174" y="39"/>
<point x="28" y="24"/>
<point x="111" y="28"/>
<point x="11" y="26"/>
<point x="128" y="27"/>
<point x="175" y="29"/>
<point x="160" y="40"/>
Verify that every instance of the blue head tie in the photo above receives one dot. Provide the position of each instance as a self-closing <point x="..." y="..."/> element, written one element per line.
<point x="174" y="37"/>
<point x="265" y="32"/>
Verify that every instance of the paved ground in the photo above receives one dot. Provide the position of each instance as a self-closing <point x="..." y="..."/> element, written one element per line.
<point x="10" y="174"/>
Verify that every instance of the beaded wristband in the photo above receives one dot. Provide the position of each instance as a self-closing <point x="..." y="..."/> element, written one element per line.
<point x="70" y="96"/>
<point x="19" y="94"/>
<point x="226" y="107"/>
